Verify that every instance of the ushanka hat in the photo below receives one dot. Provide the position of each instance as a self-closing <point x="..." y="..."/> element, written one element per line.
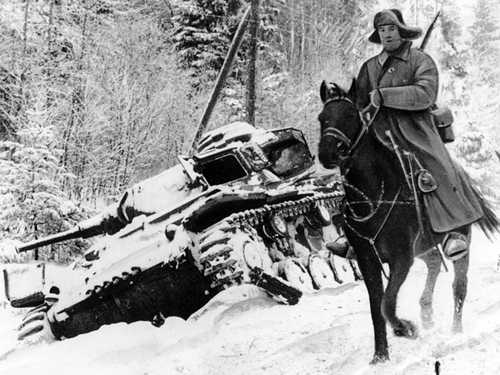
<point x="393" y="17"/>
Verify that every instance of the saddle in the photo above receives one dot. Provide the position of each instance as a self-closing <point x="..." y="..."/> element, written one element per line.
<point x="420" y="181"/>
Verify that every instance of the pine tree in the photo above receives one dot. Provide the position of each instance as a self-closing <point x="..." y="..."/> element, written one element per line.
<point x="481" y="89"/>
<point x="204" y="30"/>
<point x="9" y="104"/>
<point x="485" y="42"/>
<point x="32" y="204"/>
<point x="452" y="58"/>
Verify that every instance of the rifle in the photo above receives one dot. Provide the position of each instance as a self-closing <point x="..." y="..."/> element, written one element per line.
<point x="424" y="229"/>
<point x="429" y="31"/>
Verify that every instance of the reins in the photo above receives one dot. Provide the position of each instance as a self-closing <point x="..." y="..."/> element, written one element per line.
<point x="344" y="157"/>
<point x="352" y="147"/>
<point x="371" y="240"/>
<point x="367" y="200"/>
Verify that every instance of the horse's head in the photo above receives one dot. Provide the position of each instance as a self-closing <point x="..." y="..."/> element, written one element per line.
<point x="340" y="124"/>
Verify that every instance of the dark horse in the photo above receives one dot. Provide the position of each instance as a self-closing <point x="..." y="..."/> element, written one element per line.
<point x="382" y="220"/>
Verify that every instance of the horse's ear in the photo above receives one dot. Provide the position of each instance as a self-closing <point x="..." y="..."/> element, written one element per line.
<point x="323" y="91"/>
<point x="352" y="90"/>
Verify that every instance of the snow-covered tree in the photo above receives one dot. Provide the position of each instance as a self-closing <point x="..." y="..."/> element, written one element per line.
<point x="204" y="31"/>
<point x="485" y="41"/>
<point x="32" y="204"/>
<point x="9" y="103"/>
<point x="477" y="102"/>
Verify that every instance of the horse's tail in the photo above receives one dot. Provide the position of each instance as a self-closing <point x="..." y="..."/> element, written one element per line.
<point x="489" y="223"/>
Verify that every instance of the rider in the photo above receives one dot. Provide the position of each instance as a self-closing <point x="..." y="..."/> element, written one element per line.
<point x="402" y="82"/>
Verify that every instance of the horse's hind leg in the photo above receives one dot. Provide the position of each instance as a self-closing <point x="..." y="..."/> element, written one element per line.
<point x="461" y="267"/>
<point x="399" y="271"/>
<point x="432" y="260"/>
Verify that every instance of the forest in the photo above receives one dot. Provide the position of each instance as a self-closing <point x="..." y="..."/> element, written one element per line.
<point x="96" y="95"/>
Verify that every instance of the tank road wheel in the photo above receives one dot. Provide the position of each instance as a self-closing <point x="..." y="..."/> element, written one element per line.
<point x="346" y="269"/>
<point x="321" y="272"/>
<point x="296" y="274"/>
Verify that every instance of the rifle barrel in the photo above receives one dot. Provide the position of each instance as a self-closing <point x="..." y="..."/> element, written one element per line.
<point x="428" y="33"/>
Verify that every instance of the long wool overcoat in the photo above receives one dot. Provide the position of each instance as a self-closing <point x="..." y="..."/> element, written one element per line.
<point x="408" y="82"/>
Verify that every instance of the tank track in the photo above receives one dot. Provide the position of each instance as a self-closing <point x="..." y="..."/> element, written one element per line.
<point x="185" y="283"/>
<point x="220" y="262"/>
<point x="217" y="260"/>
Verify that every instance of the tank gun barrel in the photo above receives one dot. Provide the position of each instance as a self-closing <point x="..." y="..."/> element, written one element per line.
<point x="105" y="222"/>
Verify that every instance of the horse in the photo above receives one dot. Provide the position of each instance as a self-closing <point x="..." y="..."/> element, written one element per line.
<point x="382" y="220"/>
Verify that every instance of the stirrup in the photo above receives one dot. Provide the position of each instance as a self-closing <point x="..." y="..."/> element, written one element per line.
<point x="455" y="245"/>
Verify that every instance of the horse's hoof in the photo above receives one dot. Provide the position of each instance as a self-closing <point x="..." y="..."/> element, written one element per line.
<point x="407" y="329"/>
<point x="379" y="358"/>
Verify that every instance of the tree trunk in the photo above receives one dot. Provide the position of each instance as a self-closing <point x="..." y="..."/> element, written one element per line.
<point x="77" y="97"/>
<point x="292" y="35"/>
<point x="303" y="44"/>
<point x="254" y="23"/>
<point x="50" y="50"/>
<point x="25" y="32"/>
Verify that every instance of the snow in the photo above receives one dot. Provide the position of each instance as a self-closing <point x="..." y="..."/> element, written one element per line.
<point x="242" y="331"/>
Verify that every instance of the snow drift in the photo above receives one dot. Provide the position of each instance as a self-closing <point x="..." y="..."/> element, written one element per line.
<point x="242" y="331"/>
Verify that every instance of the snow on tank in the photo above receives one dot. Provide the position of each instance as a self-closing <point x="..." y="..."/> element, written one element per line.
<point x="247" y="207"/>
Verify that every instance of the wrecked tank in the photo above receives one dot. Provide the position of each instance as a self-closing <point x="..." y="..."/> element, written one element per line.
<point x="248" y="207"/>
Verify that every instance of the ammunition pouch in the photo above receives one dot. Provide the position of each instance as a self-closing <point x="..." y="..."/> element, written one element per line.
<point x="443" y="118"/>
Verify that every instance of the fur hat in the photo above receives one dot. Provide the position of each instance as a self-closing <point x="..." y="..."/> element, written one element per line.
<point x="393" y="17"/>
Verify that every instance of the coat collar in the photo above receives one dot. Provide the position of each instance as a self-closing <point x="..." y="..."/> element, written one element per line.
<point x="402" y="53"/>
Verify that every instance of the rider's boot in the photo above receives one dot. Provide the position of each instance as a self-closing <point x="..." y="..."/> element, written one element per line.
<point x="339" y="247"/>
<point x="456" y="245"/>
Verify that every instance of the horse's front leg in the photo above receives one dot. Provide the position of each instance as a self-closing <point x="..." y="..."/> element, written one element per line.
<point x="432" y="260"/>
<point x="398" y="272"/>
<point x="461" y="266"/>
<point x="370" y="271"/>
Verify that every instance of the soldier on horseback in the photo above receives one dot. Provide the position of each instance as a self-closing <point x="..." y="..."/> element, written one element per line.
<point x="402" y="82"/>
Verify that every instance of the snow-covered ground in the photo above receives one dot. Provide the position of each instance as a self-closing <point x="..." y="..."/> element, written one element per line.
<point x="244" y="332"/>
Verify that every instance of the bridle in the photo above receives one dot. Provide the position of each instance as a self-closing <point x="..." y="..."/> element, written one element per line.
<point x="340" y="136"/>
<point x="351" y="147"/>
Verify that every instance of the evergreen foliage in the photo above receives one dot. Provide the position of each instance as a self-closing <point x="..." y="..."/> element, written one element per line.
<point x="98" y="94"/>
<point x="204" y="30"/>
<point x="32" y="203"/>
<point x="485" y="41"/>
<point x="475" y="96"/>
